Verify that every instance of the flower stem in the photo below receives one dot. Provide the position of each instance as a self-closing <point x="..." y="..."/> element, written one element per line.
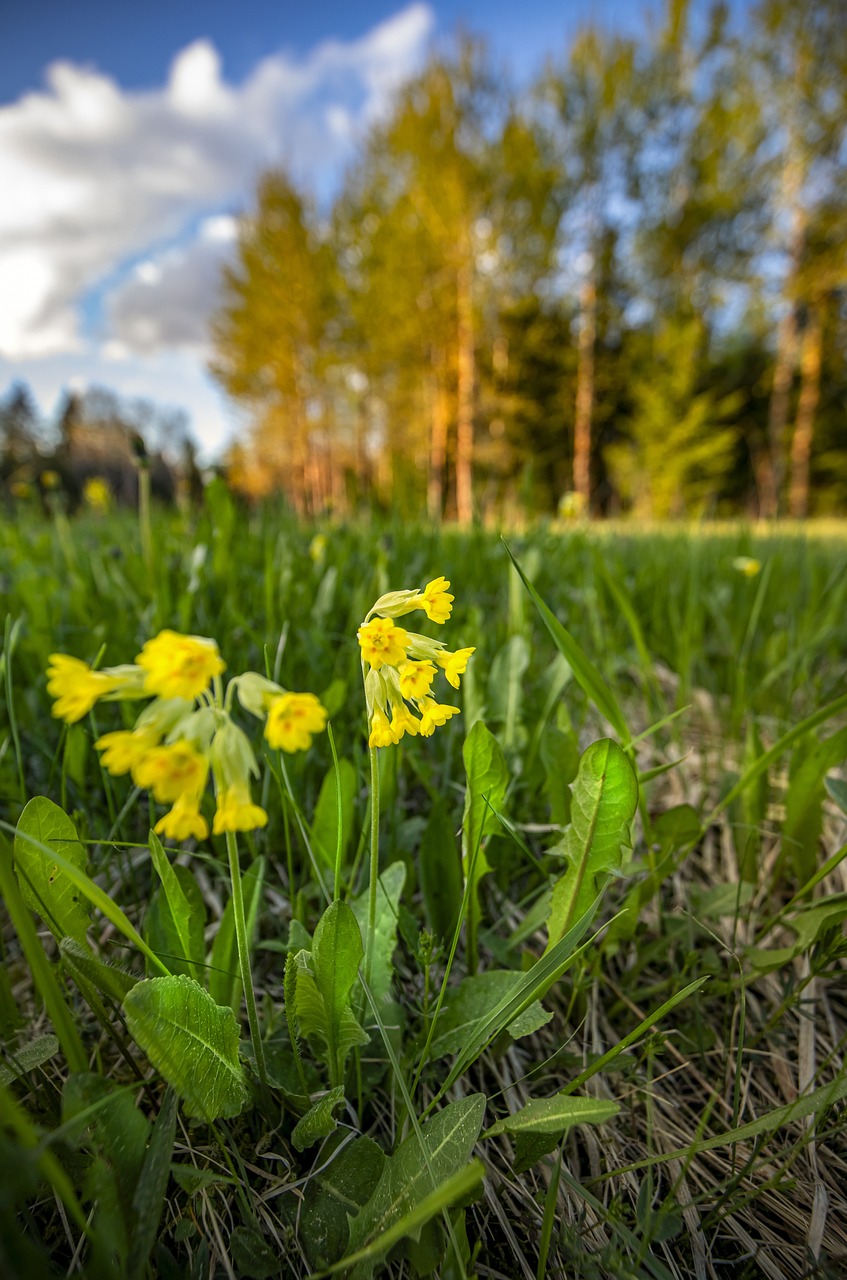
<point x="374" y="876"/>
<point x="244" y="959"/>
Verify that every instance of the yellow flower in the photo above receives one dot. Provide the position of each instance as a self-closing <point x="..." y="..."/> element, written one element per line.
<point x="76" y="687"/>
<point x="292" y="719"/>
<point x="123" y="749"/>
<point x="382" y="643"/>
<point x="236" y="811"/>
<point x="179" y="666"/>
<point x="172" y="771"/>
<point x="455" y="664"/>
<point x="382" y="735"/>
<point x="436" y="601"/>
<point x="97" y="494"/>
<point x="434" y="714"/>
<point x="183" y="820"/>
<point x="402" y="721"/>
<point x="317" y="548"/>
<point x="416" y="678"/>
<point x="747" y="565"/>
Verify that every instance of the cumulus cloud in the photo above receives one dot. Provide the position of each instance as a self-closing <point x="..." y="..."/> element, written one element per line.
<point x="93" y="178"/>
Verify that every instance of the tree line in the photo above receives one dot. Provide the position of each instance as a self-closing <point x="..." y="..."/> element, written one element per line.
<point x="621" y="290"/>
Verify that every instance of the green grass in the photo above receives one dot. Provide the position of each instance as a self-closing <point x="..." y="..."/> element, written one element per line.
<point x="702" y="994"/>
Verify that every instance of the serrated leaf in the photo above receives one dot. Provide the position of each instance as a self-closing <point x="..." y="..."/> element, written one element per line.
<point x="82" y="963"/>
<point x="388" y="891"/>
<point x="555" y="1115"/>
<point x="417" y="1169"/>
<point x="192" y="1180"/>
<point x="473" y="1000"/>
<point x="224" y="971"/>
<point x="314" y="1021"/>
<point x="45" y="887"/>
<point x="319" y="1121"/>
<point x="603" y="804"/>
<point x="192" y="1041"/>
<point x="27" y="1058"/>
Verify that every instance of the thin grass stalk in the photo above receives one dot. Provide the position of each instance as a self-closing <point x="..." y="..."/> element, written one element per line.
<point x="374" y="871"/>
<point x="244" y="960"/>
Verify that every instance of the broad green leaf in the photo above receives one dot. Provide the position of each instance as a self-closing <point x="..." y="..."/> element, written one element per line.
<point x="180" y="944"/>
<point x="505" y="688"/>
<point x="192" y="1041"/>
<point x="487" y="780"/>
<point x="334" y="1041"/>
<point x="555" y="1115"/>
<point x="389" y="889"/>
<point x="82" y="963"/>
<point x="560" y="757"/>
<point x="149" y="1198"/>
<point x="837" y="789"/>
<point x="345" y="1182"/>
<point x="44" y="885"/>
<point x="27" y="1057"/>
<point x="110" y="1125"/>
<point x="585" y="672"/>
<point x="224" y="972"/>
<point x="801" y="831"/>
<point x="412" y="1174"/>
<point x="253" y="1256"/>
<point x="604" y="800"/>
<point x="325" y="822"/>
<point x="319" y="1121"/>
<point x="43" y="974"/>
<point x="185" y="906"/>
<point x="440" y="871"/>
<point x="337" y="952"/>
<point x="474" y="999"/>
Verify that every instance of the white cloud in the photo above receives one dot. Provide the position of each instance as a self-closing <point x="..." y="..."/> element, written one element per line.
<point x="93" y="178"/>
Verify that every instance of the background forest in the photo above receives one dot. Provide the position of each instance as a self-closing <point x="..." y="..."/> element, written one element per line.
<point x="623" y="290"/>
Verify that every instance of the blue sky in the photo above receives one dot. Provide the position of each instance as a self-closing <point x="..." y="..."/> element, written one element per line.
<point x="131" y="136"/>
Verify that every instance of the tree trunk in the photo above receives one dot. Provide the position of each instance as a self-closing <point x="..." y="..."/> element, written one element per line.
<point x="584" y="412"/>
<point x="786" y="353"/>
<point x="810" y="390"/>
<point x="465" y="393"/>
<point x="437" y="448"/>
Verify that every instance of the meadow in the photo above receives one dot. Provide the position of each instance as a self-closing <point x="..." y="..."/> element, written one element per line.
<point x="567" y="1001"/>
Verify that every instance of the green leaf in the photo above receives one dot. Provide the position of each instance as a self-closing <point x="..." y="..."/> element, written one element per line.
<point x="28" y="1057"/>
<point x="440" y="871"/>
<point x="185" y="910"/>
<point x="319" y="1121"/>
<point x="389" y="889"/>
<point x="149" y="1198"/>
<point x="44" y="885"/>
<point x="473" y="1000"/>
<point x="605" y="797"/>
<point x="488" y="778"/>
<point x="804" y="798"/>
<point x="343" y="1185"/>
<point x="253" y="1256"/>
<point x="585" y="672"/>
<point x="325" y="821"/>
<point x="102" y="1117"/>
<point x="224" y="971"/>
<point x="193" y="1180"/>
<point x="505" y="686"/>
<point x="83" y="965"/>
<point x="419" y="1167"/>
<point x="314" y="1021"/>
<point x="337" y="952"/>
<point x="555" y="1115"/>
<point x="837" y="789"/>
<point x="192" y="1041"/>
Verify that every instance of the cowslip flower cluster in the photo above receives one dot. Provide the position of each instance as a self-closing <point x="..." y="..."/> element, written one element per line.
<point x="399" y="666"/>
<point x="187" y="733"/>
